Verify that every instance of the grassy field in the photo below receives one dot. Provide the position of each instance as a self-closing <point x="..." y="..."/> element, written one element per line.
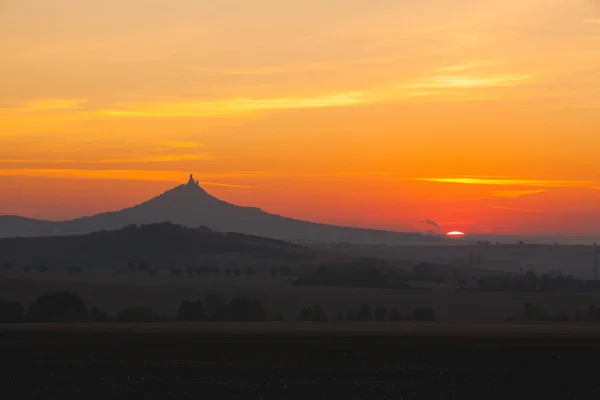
<point x="300" y="361"/>
<point x="165" y="294"/>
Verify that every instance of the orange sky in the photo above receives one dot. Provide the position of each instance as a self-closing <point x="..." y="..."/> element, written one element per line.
<point x="481" y="115"/>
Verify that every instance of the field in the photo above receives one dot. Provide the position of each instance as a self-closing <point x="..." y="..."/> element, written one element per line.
<point x="576" y="260"/>
<point x="165" y="294"/>
<point x="300" y="361"/>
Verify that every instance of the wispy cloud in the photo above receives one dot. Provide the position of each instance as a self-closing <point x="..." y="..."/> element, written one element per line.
<point x="464" y="67"/>
<point x="51" y="105"/>
<point x="465" y="81"/>
<point x="233" y="107"/>
<point x="171" y="176"/>
<point x="512" y="182"/>
<point x="140" y="175"/>
<point x="591" y="21"/>
<point x="230" y="185"/>
<point x="517" y="193"/>
<point x="133" y="160"/>
<point x="264" y="70"/>
<point x="530" y="210"/>
<point x="291" y="69"/>
<point x="181" y="144"/>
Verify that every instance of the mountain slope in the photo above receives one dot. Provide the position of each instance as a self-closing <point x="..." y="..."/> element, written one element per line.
<point x="190" y="205"/>
<point x="161" y="245"/>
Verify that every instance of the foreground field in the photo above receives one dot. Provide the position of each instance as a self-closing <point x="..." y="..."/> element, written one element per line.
<point x="165" y="294"/>
<point x="299" y="361"/>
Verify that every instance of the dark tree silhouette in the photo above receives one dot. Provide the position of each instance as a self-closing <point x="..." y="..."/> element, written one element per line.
<point x="27" y="268"/>
<point x="250" y="271"/>
<point x="58" y="307"/>
<point x="364" y="314"/>
<point x="227" y="271"/>
<point x="191" y="271"/>
<point x="340" y="316"/>
<point x="98" y="316"/>
<point x="277" y="316"/>
<point x="395" y="315"/>
<point x="191" y="311"/>
<point x="533" y="312"/>
<point x="131" y="267"/>
<point x="7" y="266"/>
<point x="424" y="314"/>
<point x="380" y="313"/>
<point x="350" y="316"/>
<point x="312" y="313"/>
<point x="215" y="308"/>
<point x="138" y="315"/>
<point x="42" y="268"/>
<point x="11" y="312"/>
<point x="236" y="272"/>
<point x="244" y="310"/>
<point x="144" y="267"/>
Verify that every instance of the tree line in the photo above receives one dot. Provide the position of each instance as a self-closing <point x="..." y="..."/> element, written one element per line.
<point x="532" y="282"/>
<point x="70" y="307"/>
<point x="532" y="312"/>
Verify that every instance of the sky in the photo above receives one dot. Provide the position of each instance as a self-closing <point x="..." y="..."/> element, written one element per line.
<point x="483" y="116"/>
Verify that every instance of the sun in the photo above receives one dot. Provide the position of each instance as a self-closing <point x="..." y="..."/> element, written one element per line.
<point x="455" y="234"/>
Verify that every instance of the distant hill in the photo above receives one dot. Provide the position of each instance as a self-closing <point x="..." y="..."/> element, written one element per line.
<point x="190" y="205"/>
<point x="160" y="245"/>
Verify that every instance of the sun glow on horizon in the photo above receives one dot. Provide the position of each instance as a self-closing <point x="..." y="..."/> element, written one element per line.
<point x="486" y="129"/>
<point x="455" y="234"/>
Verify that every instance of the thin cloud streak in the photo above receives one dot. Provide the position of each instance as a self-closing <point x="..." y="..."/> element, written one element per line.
<point x="41" y="105"/>
<point x="517" y="193"/>
<point x="512" y="182"/>
<point x="519" y="209"/>
<point x="234" y="107"/>
<point x="457" y="82"/>
<point x="148" y="159"/>
<point x="230" y="185"/>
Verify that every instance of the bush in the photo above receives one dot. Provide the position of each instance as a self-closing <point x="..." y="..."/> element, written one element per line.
<point x="364" y="314"/>
<point x="425" y="314"/>
<point x="191" y="311"/>
<point x="11" y="312"/>
<point x="312" y="313"/>
<point x="380" y="314"/>
<point x="244" y="310"/>
<point x="395" y="315"/>
<point x="98" y="316"/>
<point x="58" y="307"/>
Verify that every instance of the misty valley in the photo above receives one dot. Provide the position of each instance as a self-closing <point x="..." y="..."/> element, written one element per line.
<point x="157" y="267"/>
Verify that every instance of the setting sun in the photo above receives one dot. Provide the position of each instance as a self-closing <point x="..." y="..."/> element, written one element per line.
<point x="455" y="234"/>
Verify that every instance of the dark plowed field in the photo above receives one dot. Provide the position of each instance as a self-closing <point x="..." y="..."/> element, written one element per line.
<point x="105" y="364"/>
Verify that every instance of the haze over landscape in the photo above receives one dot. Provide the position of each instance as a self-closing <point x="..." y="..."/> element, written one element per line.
<point x="480" y="116"/>
<point x="346" y="199"/>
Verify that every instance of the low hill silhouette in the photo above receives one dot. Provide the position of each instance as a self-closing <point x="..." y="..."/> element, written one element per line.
<point x="162" y="245"/>
<point x="190" y="205"/>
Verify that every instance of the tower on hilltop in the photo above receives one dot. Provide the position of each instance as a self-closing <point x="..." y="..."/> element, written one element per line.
<point x="192" y="182"/>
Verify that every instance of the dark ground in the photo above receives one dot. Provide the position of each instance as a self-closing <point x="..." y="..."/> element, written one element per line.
<point x="295" y="361"/>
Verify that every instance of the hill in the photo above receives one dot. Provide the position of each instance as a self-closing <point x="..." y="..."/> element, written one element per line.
<point x="190" y="205"/>
<point x="161" y="245"/>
